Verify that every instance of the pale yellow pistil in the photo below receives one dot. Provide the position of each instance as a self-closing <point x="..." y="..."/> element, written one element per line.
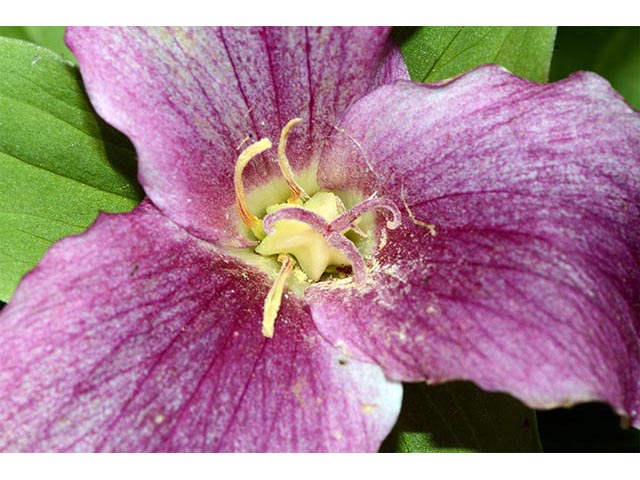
<point x="274" y="297"/>
<point x="250" y="220"/>
<point x="289" y="238"/>
<point x="310" y="248"/>
<point x="297" y="192"/>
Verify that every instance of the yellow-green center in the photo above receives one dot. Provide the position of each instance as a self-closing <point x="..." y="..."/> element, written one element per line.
<point x="309" y="247"/>
<point x="307" y="233"/>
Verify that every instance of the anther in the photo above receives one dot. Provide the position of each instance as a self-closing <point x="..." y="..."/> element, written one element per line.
<point x="245" y="157"/>
<point x="297" y="192"/>
<point x="274" y="297"/>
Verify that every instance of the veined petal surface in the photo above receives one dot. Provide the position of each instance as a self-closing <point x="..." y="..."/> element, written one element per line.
<point x="135" y="336"/>
<point x="191" y="99"/>
<point x="517" y="264"/>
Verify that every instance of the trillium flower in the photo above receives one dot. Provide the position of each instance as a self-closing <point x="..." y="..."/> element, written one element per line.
<point x="319" y="229"/>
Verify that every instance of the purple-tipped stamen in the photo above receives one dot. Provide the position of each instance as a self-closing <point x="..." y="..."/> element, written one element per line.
<point x="295" y="213"/>
<point x="349" y="249"/>
<point x="345" y="221"/>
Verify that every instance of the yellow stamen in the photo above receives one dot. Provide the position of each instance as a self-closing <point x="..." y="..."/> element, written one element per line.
<point x="245" y="157"/>
<point x="274" y="297"/>
<point x="297" y="192"/>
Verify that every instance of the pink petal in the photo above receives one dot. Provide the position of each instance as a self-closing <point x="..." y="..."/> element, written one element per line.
<point x="393" y="68"/>
<point x="531" y="284"/>
<point x="135" y="336"/>
<point x="191" y="99"/>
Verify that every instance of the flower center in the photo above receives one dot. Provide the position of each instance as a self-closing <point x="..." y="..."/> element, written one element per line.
<point x="305" y="232"/>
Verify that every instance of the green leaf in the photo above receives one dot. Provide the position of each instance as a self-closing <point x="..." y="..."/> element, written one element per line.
<point x="59" y="163"/>
<point x="613" y="52"/>
<point x="460" y="417"/>
<point x="439" y="53"/>
<point x="48" y="37"/>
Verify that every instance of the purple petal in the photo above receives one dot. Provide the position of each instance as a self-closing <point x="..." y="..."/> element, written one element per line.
<point x="529" y="279"/>
<point x="393" y="68"/>
<point x="135" y="336"/>
<point x="191" y="99"/>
